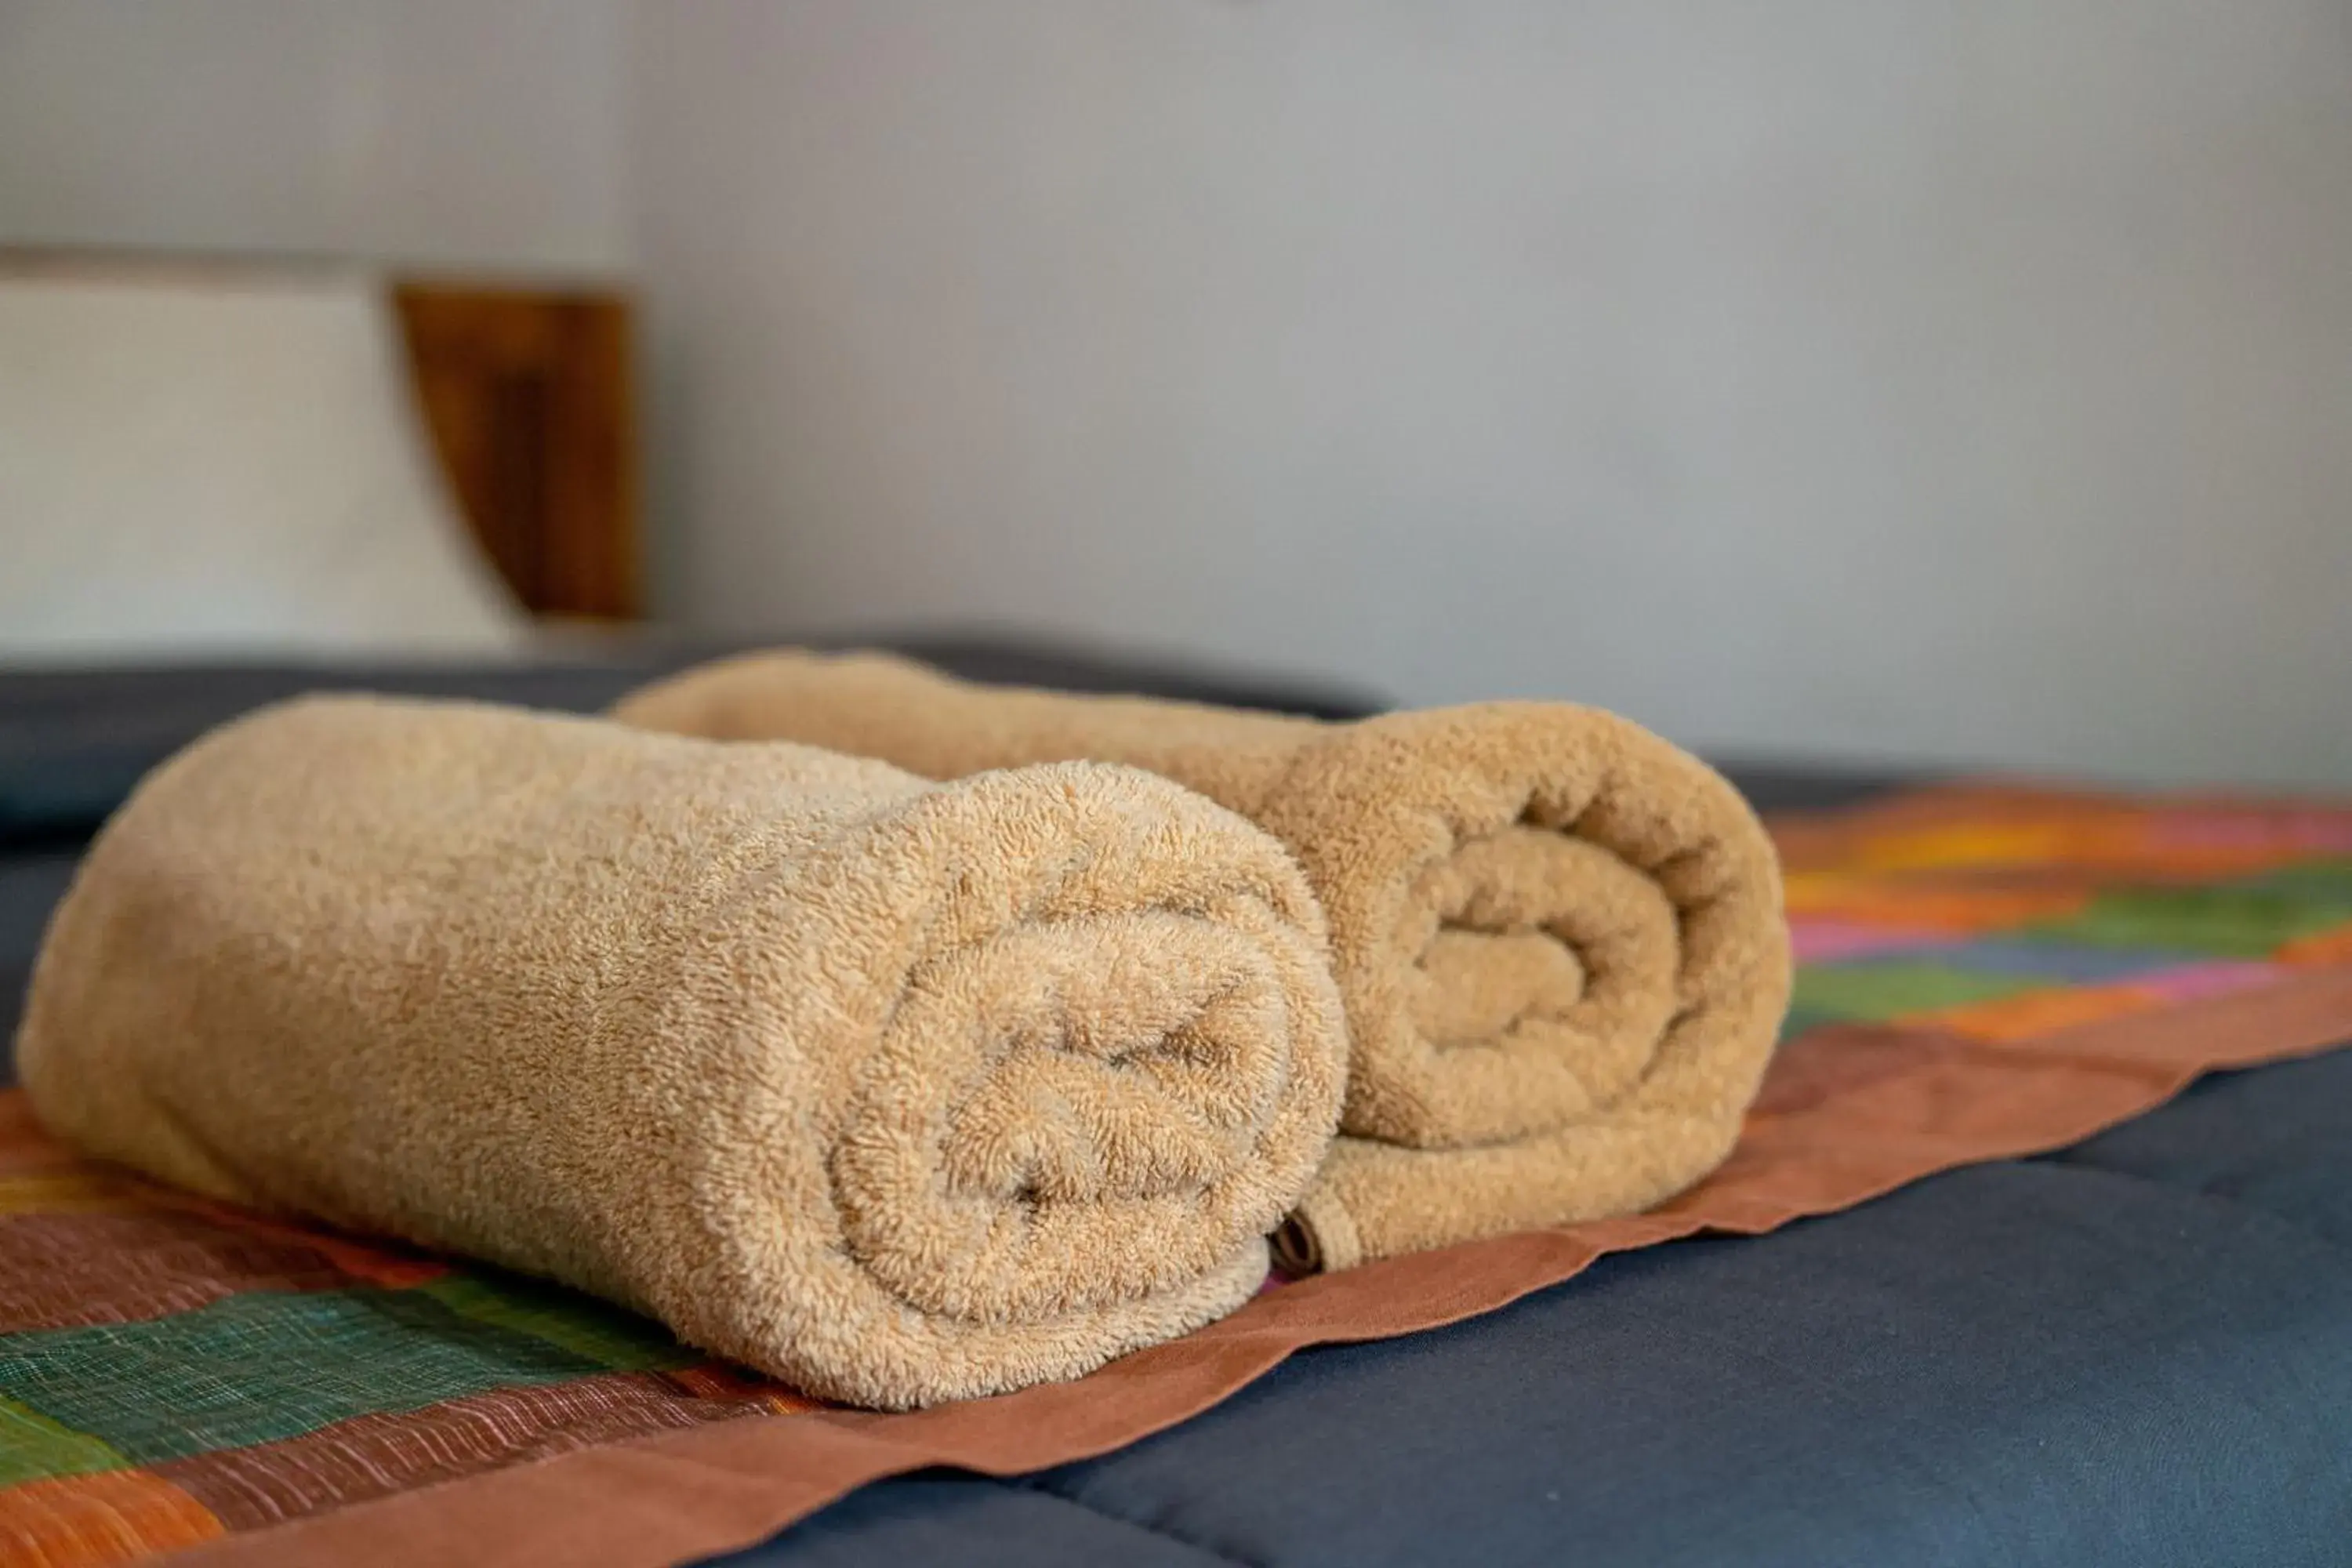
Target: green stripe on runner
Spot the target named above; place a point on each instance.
(2224, 922)
(33, 1448)
(1802, 1019)
(1876, 990)
(616, 1341)
(268, 1365)
(2326, 883)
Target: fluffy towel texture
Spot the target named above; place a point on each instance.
(1559, 938)
(902, 1092)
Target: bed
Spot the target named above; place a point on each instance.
(2138, 1353)
(2135, 1351)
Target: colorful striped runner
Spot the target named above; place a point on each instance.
(1985, 972)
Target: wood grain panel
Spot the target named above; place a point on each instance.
(526, 393)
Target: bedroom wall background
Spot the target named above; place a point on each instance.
(1948, 383)
(1962, 383)
(447, 132)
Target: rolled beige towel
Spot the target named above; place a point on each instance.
(900, 1091)
(1559, 938)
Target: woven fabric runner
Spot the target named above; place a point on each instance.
(1986, 972)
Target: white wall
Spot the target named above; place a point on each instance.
(1934, 380)
(464, 133)
(1960, 381)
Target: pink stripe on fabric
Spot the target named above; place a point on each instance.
(2216, 979)
(1827, 941)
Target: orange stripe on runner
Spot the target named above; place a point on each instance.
(2332, 945)
(2031, 1013)
(86, 1522)
(71, 1191)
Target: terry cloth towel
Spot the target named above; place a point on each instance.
(900, 1092)
(1559, 938)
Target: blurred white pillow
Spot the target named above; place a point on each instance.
(196, 464)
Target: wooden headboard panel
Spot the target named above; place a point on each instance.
(527, 394)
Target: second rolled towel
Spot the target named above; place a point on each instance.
(901, 1091)
(1560, 938)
